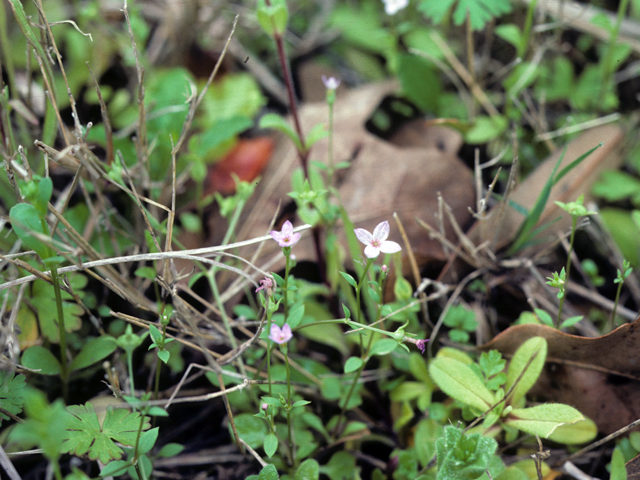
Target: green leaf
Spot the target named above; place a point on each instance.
(328, 334)
(148, 440)
(529, 358)
(479, 12)
(164, 355)
(318, 132)
(571, 321)
(418, 367)
(543, 419)
(170, 450)
(618, 468)
(510, 33)
(11, 394)
(251, 429)
(408, 391)
(272, 120)
(350, 280)
(300, 403)
(462, 455)
(615, 185)
(146, 272)
(352, 364)
(544, 317)
(420, 83)
(44, 301)
(270, 444)
(384, 346)
(485, 129)
(308, 470)
(269, 472)
(85, 435)
(93, 351)
(342, 466)
(43, 424)
(26, 220)
(460, 382)
(581, 432)
(39, 358)
(115, 468)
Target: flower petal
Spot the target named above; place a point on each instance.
(287, 229)
(363, 235)
(371, 252)
(286, 333)
(381, 232)
(390, 247)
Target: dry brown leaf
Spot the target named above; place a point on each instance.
(633, 468)
(384, 178)
(500, 230)
(599, 376)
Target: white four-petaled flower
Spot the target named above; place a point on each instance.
(285, 237)
(280, 335)
(330, 83)
(377, 242)
(391, 7)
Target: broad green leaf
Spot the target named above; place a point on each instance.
(418, 368)
(525, 368)
(462, 455)
(350, 280)
(26, 220)
(543, 419)
(384, 346)
(269, 472)
(581, 432)
(170, 450)
(39, 358)
(115, 468)
(43, 300)
(352, 364)
(251, 429)
(342, 466)
(93, 351)
(308, 470)
(427, 431)
(485, 129)
(275, 121)
(148, 440)
(408, 391)
(85, 435)
(615, 185)
(461, 383)
(419, 82)
(328, 334)
(618, 468)
(270, 445)
(11, 394)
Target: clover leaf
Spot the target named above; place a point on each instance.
(11, 394)
(85, 434)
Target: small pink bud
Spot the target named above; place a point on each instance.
(384, 269)
(264, 406)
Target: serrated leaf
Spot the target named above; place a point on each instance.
(270, 444)
(543, 419)
(85, 434)
(308, 470)
(460, 382)
(479, 11)
(11, 394)
(525, 368)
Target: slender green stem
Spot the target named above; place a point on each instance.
(292, 448)
(130, 367)
(64, 368)
(285, 287)
(526, 31)
(574, 219)
(331, 162)
(615, 306)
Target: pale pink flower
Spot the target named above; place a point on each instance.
(266, 284)
(391, 7)
(280, 335)
(421, 344)
(377, 242)
(285, 237)
(331, 83)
